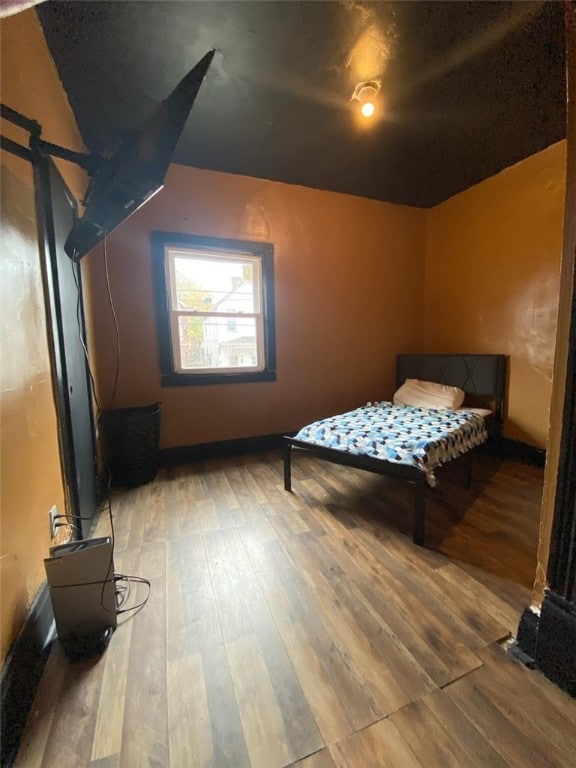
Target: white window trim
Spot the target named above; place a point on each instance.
(227, 248)
(172, 252)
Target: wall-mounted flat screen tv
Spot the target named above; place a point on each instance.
(134, 171)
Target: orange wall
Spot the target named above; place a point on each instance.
(30, 474)
(349, 277)
(492, 280)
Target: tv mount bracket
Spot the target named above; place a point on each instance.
(38, 146)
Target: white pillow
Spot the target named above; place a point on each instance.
(428, 394)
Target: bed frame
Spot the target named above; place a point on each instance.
(483, 379)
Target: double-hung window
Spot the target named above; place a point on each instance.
(214, 308)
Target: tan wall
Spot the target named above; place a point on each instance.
(492, 280)
(30, 474)
(349, 296)
(30, 85)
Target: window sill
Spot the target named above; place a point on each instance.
(195, 379)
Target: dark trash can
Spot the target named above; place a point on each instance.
(130, 438)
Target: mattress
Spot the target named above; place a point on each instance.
(420, 437)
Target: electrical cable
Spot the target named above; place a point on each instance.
(81, 584)
(68, 518)
(67, 524)
(116, 329)
(112, 545)
(115, 578)
(122, 594)
(136, 580)
(81, 337)
(108, 500)
(124, 591)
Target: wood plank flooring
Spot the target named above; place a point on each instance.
(307, 630)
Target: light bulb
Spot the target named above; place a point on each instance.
(368, 109)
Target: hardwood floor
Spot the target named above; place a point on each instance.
(307, 630)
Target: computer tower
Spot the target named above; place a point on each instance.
(80, 578)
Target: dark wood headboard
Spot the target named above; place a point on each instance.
(479, 375)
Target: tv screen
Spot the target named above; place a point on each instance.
(134, 171)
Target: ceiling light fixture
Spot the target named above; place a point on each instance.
(366, 93)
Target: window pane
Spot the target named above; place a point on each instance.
(213, 285)
(210, 343)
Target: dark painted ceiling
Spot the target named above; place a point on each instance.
(468, 88)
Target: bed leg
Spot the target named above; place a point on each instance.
(468, 476)
(287, 467)
(419, 512)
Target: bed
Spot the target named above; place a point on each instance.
(351, 439)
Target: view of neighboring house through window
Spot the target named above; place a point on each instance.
(216, 308)
(219, 306)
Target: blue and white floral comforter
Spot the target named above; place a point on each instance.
(402, 434)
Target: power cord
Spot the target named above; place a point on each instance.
(122, 593)
(134, 580)
(113, 310)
